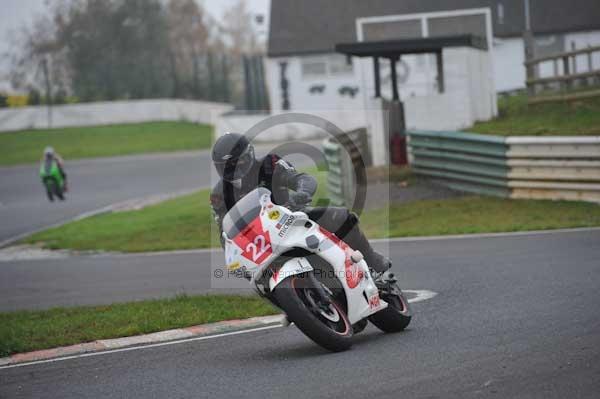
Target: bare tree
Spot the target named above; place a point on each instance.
(119, 49)
(98, 49)
(188, 39)
(35, 50)
(238, 27)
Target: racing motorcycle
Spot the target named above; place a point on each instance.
(321, 284)
(52, 180)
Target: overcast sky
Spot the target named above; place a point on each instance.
(17, 13)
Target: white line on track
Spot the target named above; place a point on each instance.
(421, 295)
(133, 348)
(485, 235)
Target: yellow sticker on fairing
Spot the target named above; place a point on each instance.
(233, 266)
(274, 215)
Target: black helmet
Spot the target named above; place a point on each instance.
(233, 156)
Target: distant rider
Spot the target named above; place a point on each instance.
(241, 172)
(51, 156)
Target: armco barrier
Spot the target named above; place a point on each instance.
(517, 167)
(333, 157)
(341, 177)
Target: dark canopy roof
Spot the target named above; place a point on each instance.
(394, 48)
(315, 26)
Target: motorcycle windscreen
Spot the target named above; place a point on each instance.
(243, 212)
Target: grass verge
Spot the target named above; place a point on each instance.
(181, 223)
(185, 223)
(476, 214)
(25, 331)
(563, 119)
(27, 146)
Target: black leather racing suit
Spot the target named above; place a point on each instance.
(279, 176)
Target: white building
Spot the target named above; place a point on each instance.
(305, 73)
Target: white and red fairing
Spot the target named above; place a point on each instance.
(277, 230)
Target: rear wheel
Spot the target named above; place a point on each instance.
(396, 317)
(310, 306)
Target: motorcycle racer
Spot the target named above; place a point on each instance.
(240, 172)
(51, 156)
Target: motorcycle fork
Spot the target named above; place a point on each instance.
(388, 286)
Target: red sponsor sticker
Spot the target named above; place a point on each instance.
(254, 242)
(374, 301)
(352, 272)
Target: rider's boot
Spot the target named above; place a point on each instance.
(378, 262)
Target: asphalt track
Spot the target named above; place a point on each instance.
(101, 182)
(514, 317)
(95, 183)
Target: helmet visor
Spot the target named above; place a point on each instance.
(236, 168)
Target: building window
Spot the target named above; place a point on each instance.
(321, 67)
(314, 67)
(340, 65)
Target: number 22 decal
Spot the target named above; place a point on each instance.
(258, 248)
(254, 242)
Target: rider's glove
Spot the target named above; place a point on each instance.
(300, 199)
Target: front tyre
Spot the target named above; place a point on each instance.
(318, 317)
(49, 194)
(396, 317)
(49, 186)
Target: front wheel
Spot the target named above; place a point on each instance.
(314, 312)
(49, 186)
(396, 316)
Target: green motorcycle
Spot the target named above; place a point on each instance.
(53, 180)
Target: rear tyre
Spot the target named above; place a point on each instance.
(396, 317)
(321, 319)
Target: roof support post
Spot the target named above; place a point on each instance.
(440, 71)
(395, 96)
(377, 78)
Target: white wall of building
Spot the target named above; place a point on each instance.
(509, 55)
(468, 96)
(469, 92)
(508, 74)
(582, 40)
(300, 85)
(509, 71)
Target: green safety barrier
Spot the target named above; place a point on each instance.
(516, 167)
(465, 161)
